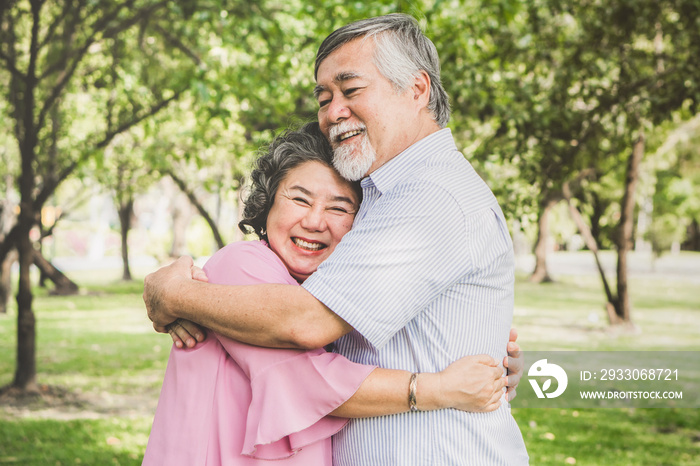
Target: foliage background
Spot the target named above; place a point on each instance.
(128, 128)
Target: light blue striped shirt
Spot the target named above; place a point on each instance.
(424, 277)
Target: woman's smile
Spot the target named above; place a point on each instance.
(308, 245)
(313, 208)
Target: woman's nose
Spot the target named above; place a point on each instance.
(315, 219)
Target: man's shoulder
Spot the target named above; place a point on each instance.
(450, 173)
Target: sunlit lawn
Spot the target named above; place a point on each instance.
(101, 346)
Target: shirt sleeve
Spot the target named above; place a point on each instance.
(293, 391)
(414, 243)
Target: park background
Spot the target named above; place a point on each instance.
(128, 129)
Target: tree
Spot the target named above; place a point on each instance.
(77, 74)
(676, 197)
(124, 171)
(567, 92)
(8, 204)
(53, 58)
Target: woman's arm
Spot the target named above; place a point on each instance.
(473, 383)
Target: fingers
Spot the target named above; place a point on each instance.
(497, 373)
(180, 334)
(159, 328)
(198, 274)
(513, 335)
(184, 261)
(193, 329)
(176, 339)
(513, 349)
(494, 402)
(485, 359)
(513, 379)
(514, 363)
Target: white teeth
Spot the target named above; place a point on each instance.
(349, 134)
(306, 245)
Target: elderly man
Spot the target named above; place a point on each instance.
(424, 277)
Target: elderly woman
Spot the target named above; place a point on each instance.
(224, 402)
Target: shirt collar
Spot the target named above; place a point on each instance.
(411, 159)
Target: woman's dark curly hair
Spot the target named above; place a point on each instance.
(285, 153)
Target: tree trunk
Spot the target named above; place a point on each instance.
(8, 254)
(63, 285)
(692, 242)
(42, 273)
(25, 374)
(126, 211)
(6, 280)
(27, 134)
(181, 211)
(200, 208)
(22, 93)
(599, 208)
(541, 274)
(624, 241)
(593, 247)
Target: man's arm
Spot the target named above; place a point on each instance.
(275, 316)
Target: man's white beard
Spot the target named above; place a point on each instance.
(353, 161)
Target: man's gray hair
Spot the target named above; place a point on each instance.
(401, 52)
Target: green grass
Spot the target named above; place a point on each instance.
(569, 314)
(114, 441)
(611, 436)
(100, 347)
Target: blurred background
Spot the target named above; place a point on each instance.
(128, 128)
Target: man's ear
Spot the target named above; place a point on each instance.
(421, 88)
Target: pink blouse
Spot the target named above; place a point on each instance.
(227, 403)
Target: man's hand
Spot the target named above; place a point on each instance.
(156, 288)
(184, 332)
(514, 362)
(473, 383)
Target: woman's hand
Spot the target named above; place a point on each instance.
(473, 383)
(185, 333)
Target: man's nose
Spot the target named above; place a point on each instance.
(338, 110)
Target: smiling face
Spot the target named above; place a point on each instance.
(312, 210)
(365, 119)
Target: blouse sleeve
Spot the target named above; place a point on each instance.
(293, 391)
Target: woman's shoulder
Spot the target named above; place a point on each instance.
(246, 262)
(256, 248)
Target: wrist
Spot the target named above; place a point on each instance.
(429, 392)
(174, 298)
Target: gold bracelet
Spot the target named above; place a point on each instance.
(412, 393)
